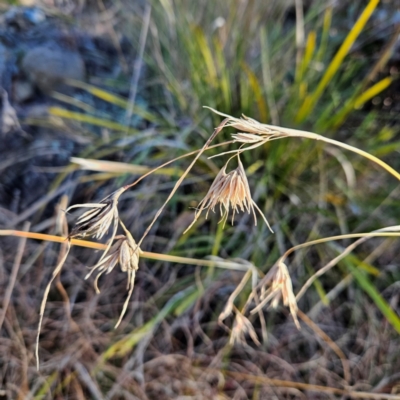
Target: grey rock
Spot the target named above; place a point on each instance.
(48, 68)
(9, 120)
(3, 56)
(3, 61)
(24, 17)
(34, 15)
(22, 91)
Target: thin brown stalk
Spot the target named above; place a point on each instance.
(300, 34)
(390, 231)
(137, 66)
(178, 183)
(62, 227)
(330, 343)
(230, 303)
(173, 160)
(264, 380)
(14, 273)
(56, 271)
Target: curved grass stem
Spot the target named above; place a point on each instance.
(391, 231)
(272, 131)
(314, 136)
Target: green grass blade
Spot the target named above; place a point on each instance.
(223, 72)
(325, 33)
(319, 288)
(207, 55)
(101, 94)
(129, 341)
(187, 302)
(337, 61)
(266, 73)
(357, 100)
(372, 92)
(46, 387)
(113, 99)
(380, 302)
(308, 53)
(256, 86)
(89, 119)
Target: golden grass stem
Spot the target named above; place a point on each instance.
(338, 237)
(275, 131)
(145, 254)
(314, 136)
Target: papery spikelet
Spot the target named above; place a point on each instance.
(243, 137)
(229, 191)
(241, 327)
(277, 285)
(97, 221)
(250, 125)
(124, 251)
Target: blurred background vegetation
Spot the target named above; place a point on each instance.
(150, 67)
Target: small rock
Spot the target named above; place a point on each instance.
(34, 15)
(9, 119)
(48, 68)
(24, 17)
(3, 60)
(22, 91)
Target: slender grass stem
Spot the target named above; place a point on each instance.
(314, 136)
(173, 160)
(391, 231)
(274, 131)
(144, 254)
(338, 237)
(388, 231)
(180, 180)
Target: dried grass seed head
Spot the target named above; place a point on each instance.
(241, 327)
(129, 257)
(249, 125)
(247, 138)
(124, 251)
(229, 191)
(277, 285)
(97, 221)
